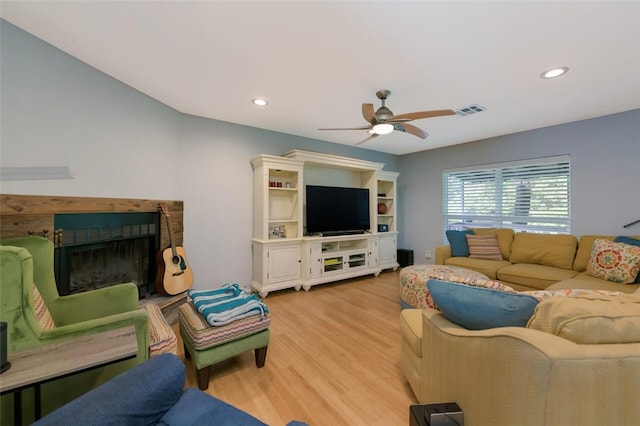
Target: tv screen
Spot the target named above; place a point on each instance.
(337, 209)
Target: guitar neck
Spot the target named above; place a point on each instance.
(171, 243)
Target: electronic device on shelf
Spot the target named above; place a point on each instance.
(333, 210)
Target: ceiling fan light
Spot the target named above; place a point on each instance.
(555, 72)
(382, 129)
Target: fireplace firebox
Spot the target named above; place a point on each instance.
(96, 250)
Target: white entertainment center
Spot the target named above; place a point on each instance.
(283, 255)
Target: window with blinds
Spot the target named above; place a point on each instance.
(531, 196)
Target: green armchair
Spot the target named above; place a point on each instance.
(40, 316)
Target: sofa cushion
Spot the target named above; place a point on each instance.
(633, 242)
(534, 276)
(590, 319)
(617, 262)
(484, 266)
(584, 281)
(544, 249)
(411, 329)
(483, 247)
(458, 242)
(504, 236)
(478, 308)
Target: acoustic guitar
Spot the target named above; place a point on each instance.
(174, 274)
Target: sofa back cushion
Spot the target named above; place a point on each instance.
(590, 319)
(504, 236)
(544, 249)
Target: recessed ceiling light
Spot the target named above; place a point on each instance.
(259, 102)
(555, 72)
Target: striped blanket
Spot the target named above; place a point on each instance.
(226, 304)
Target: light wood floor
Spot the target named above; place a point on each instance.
(333, 358)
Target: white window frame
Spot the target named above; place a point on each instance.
(543, 205)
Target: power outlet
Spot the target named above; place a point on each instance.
(427, 254)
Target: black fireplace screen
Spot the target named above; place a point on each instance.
(95, 250)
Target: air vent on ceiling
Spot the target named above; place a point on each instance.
(469, 110)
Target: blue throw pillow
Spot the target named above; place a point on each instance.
(458, 242)
(630, 241)
(479, 308)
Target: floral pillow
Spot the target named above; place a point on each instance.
(611, 261)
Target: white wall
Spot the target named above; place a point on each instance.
(605, 176)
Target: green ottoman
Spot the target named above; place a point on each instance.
(207, 345)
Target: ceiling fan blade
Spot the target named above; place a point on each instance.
(347, 128)
(368, 112)
(410, 128)
(367, 139)
(422, 114)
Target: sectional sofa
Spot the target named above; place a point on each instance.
(536, 261)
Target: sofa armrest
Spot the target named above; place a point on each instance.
(141, 396)
(94, 304)
(442, 254)
(514, 375)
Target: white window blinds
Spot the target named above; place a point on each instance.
(531, 196)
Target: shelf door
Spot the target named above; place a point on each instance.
(284, 263)
(387, 251)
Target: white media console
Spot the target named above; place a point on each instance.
(283, 256)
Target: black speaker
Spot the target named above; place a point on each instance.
(405, 257)
(4, 364)
(383, 228)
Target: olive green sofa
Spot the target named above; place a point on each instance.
(537, 261)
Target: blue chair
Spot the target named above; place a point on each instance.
(149, 394)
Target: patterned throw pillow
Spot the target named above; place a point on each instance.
(42, 312)
(630, 241)
(484, 247)
(617, 262)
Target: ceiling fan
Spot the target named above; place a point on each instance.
(383, 122)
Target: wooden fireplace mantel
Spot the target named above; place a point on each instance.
(22, 215)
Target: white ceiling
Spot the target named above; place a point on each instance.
(317, 62)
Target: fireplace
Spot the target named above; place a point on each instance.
(96, 250)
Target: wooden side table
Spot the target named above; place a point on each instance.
(35, 366)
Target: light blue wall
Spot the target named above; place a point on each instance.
(58, 111)
(605, 176)
(120, 143)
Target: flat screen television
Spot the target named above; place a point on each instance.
(337, 210)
